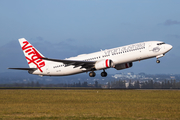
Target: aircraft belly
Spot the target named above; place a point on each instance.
(70, 70)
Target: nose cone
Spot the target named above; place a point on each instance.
(168, 47)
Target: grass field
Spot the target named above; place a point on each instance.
(90, 104)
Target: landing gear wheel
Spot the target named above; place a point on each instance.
(92, 74)
(157, 61)
(104, 74)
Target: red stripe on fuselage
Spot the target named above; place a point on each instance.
(107, 63)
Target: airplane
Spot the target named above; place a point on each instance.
(118, 58)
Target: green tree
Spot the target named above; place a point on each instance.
(136, 85)
(96, 84)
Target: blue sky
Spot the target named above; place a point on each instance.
(65, 28)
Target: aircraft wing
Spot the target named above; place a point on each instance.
(76, 63)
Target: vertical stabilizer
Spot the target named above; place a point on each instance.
(32, 55)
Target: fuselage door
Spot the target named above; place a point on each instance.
(150, 46)
(47, 69)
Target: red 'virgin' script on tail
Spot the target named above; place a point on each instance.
(33, 55)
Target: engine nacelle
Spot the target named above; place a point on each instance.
(123, 66)
(102, 64)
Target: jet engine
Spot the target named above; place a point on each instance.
(103, 64)
(123, 66)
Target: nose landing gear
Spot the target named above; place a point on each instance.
(159, 56)
(157, 61)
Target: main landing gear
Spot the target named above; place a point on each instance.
(104, 74)
(93, 74)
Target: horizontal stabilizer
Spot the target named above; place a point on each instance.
(24, 68)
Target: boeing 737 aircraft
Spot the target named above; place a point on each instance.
(118, 58)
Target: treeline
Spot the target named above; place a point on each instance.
(160, 85)
(150, 84)
(37, 84)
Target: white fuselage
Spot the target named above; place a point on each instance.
(119, 55)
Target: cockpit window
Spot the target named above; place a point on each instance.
(161, 43)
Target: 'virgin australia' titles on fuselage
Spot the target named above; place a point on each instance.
(126, 48)
(118, 58)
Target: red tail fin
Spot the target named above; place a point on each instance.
(32, 55)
